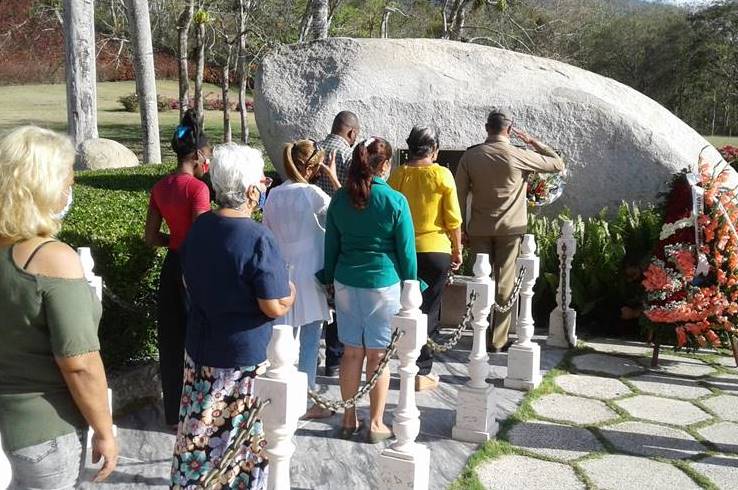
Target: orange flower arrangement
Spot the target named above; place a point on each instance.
(697, 303)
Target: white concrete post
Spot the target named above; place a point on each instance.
(475, 402)
(405, 463)
(524, 357)
(563, 316)
(95, 282)
(286, 388)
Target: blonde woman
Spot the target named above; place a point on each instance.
(295, 212)
(53, 383)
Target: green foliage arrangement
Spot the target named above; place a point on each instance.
(108, 216)
(606, 270)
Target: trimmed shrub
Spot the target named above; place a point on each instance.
(163, 103)
(108, 216)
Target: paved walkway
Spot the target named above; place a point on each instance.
(611, 422)
(322, 460)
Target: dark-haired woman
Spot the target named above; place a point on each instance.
(369, 250)
(431, 193)
(177, 199)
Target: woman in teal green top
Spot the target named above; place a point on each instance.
(369, 250)
(53, 383)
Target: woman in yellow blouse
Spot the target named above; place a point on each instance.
(431, 192)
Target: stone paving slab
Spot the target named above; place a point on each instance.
(679, 366)
(724, 382)
(567, 408)
(592, 386)
(620, 472)
(723, 434)
(618, 346)
(523, 473)
(556, 441)
(670, 386)
(606, 364)
(663, 410)
(721, 469)
(728, 362)
(646, 439)
(723, 406)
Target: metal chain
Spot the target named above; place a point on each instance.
(336, 405)
(562, 286)
(121, 303)
(434, 346)
(216, 473)
(514, 296)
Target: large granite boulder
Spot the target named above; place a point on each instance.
(619, 144)
(101, 153)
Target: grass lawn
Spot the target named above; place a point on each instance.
(719, 141)
(45, 105)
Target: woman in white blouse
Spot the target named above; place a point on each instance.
(295, 212)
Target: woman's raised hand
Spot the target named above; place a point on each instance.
(330, 169)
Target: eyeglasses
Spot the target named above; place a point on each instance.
(316, 149)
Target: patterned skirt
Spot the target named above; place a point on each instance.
(214, 410)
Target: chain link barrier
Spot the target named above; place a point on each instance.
(145, 309)
(514, 296)
(435, 346)
(336, 405)
(214, 477)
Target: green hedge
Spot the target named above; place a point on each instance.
(108, 216)
(110, 211)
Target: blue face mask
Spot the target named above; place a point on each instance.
(262, 199)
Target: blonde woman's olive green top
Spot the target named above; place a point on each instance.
(40, 318)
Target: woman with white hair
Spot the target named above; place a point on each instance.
(236, 283)
(53, 383)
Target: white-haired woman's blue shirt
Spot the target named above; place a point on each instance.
(295, 213)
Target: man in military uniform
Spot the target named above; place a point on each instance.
(494, 175)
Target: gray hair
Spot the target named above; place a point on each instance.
(422, 141)
(233, 170)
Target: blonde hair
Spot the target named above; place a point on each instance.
(302, 153)
(35, 165)
(233, 170)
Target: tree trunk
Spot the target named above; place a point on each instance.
(183, 28)
(244, 5)
(305, 22)
(319, 21)
(143, 55)
(457, 18)
(383, 27)
(81, 73)
(226, 73)
(200, 70)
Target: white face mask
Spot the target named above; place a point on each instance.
(63, 213)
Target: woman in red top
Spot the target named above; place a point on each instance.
(177, 199)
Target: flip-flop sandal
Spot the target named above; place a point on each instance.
(377, 437)
(323, 415)
(349, 432)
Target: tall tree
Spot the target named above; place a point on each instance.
(81, 73)
(201, 18)
(315, 21)
(243, 8)
(143, 56)
(183, 31)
